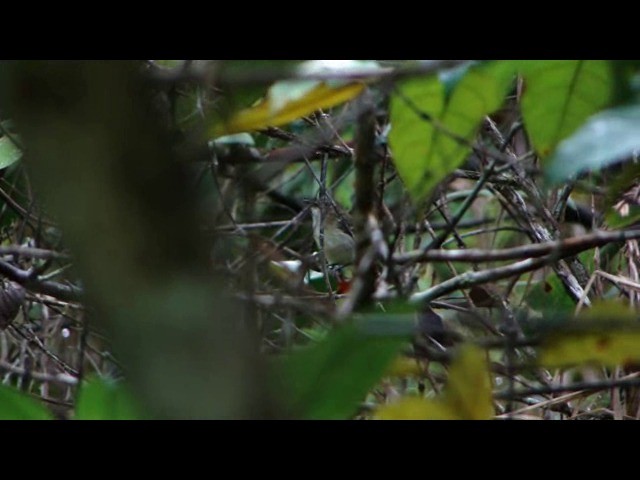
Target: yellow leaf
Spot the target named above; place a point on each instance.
(612, 310)
(468, 391)
(405, 367)
(606, 335)
(415, 408)
(604, 348)
(265, 115)
(467, 396)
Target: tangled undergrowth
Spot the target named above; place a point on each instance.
(490, 279)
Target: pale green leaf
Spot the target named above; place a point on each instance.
(605, 138)
(235, 139)
(9, 153)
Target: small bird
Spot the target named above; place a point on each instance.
(339, 246)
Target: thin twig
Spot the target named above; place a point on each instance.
(579, 387)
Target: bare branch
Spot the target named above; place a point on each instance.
(569, 246)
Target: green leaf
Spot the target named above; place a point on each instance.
(411, 137)
(328, 380)
(9, 153)
(430, 137)
(451, 77)
(550, 298)
(606, 137)
(101, 399)
(15, 405)
(560, 95)
(615, 220)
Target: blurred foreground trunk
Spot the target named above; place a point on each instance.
(104, 167)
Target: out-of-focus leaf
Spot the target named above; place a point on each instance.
(605, 138)
(328, 380)
(106, 400)
(605, 334)
(467, 396)
(468, 391)
(616, 220)
(451, 77)
(426, 150)
(9, 153)
(560, 95)
(608, 310)
(15, 405)
(235, 139)
(415, 408)
(404, 367)
(170, 63)
(292, 99)
(604, 348)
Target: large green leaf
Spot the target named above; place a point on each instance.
(9, 153)
(605, 138)
(328, 380)
(560, 95)
(430, 136)
(411, 137)
(15, 405)
(101, 399)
